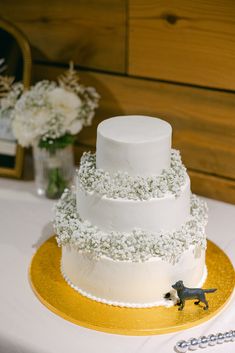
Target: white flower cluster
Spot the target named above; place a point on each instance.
(48, 111)
(89, 98)
(8, 102)
(122, 185)
(136, 246)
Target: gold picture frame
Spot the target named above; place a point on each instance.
(24, 46)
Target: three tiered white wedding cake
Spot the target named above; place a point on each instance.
(131, 228)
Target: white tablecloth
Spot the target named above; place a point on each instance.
(27, 326)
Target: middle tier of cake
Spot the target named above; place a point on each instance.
(120, 202)
(123, 215)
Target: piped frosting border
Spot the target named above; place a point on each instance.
(138, 245)
(163, 302)
(122, 185)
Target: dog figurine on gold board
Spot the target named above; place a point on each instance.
(185, 293)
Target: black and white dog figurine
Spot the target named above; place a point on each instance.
(185, 293)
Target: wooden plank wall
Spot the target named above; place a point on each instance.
(92, 33)
(172, 59)
(185, 41)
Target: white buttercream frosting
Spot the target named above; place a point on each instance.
(123, 215)
(138, 145)
(129, 284)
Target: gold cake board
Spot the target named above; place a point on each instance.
(52, 290)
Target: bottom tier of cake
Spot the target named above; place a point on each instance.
(131, 284)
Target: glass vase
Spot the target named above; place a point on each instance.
(54, 171)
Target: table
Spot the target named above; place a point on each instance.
(27, 326)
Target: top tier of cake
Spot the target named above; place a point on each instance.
(135, 144)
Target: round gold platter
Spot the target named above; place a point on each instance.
(52, 290)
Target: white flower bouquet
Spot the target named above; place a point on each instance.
(49, 115)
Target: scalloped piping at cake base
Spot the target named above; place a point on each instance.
(163, 302)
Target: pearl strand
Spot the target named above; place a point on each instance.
(204, 341)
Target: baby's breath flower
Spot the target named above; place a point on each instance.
(122, 185)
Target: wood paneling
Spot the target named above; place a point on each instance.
(213, 187)
(203, 122)
(184, 41)
(91, 33)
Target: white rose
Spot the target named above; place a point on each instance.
(75, 127)
(21, 133)
(29, 125)
(65, 103)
